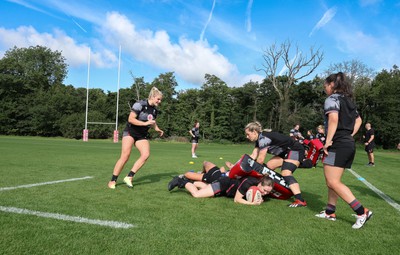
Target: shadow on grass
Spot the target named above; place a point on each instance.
(151, 178)
(365, 190)
(314, 201)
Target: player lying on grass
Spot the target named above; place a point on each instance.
(286, 152)
(225, 186)
(209, 174)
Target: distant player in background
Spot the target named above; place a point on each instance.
(321, 133)
(287, 153)
(142, 117)
(310, 135)
(295, 133)
(369, 142)
(195, 135)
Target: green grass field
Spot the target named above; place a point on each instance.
(174, 222)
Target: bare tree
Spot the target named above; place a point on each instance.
(137, 83)
(295, 68)
(355, 70)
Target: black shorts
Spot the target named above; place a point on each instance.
(212, 175)
(225, 186)
(295, 153)
(369, 148)
(195, 139)
(136, 136)
(341, 155)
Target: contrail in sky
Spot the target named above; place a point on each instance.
(328, 15)
(79, 26)
(208, 21)
(248, 15)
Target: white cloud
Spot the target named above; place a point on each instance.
(250, 77)
(383, 50)
(189, 59)
(76, 54)
(328, 15)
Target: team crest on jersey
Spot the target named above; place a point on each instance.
(150, 117)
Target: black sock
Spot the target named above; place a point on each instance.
(182, 182)
(357, 207)
(114, 178)
(299, 197)
(330, 209)
(131, 174)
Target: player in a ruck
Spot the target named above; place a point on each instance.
(225, 186)
(282, 147)
(142, 117)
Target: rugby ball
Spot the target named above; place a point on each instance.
(253, 194)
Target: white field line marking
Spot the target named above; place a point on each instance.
(377, 191)
(44, 183)
(113, 224)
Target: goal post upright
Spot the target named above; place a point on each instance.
(86, 131)
(116, 135)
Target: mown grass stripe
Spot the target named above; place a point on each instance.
(44, 183)
(113, 224)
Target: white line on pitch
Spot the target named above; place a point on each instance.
(44, 183)
(113, 224)
(377, 191)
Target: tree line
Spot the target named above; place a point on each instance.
(35, 102)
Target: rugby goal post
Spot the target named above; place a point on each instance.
(85, 135)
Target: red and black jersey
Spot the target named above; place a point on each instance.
(230, 186)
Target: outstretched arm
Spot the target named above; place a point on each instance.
(239, 199)
(156, 128)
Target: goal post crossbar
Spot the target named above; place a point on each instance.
(102, 123)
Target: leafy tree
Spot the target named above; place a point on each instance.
(166, 83)
(384, 107)
(186, 112)
(215, 108)
(26, 74)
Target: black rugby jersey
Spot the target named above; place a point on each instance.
(144, 112)
(196, 132)
(241, 185)
(347, 111)
(368, 135)
(275, 142)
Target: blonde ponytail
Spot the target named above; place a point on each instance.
(254, 126)
(154, 92)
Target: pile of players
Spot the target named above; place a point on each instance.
(342, 123)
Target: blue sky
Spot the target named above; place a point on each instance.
(191, 38)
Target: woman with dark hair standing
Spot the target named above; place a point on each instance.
(195, 133)
(342, 122)
(142, 116)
